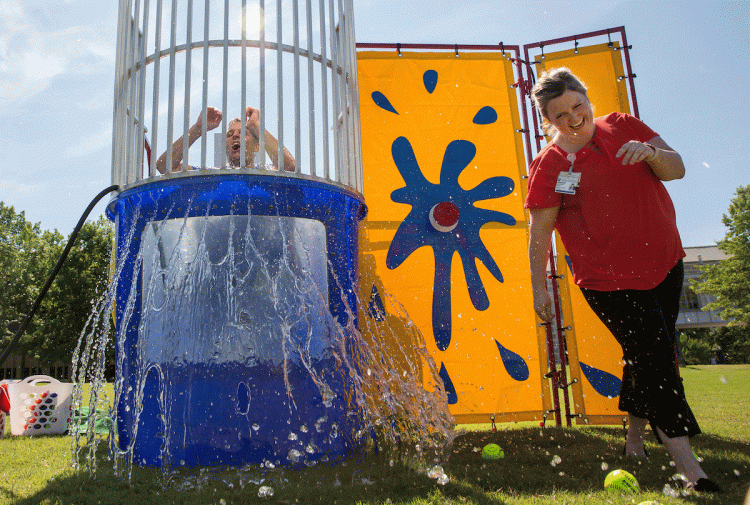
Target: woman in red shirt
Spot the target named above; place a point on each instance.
(599, 183)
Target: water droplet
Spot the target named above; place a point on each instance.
(669, 491)
(723, 379)
(292, 436)
(293, 455)
(265, 491)
(303, 428)
(605, 466)
(443, 480)
(435, 472)
(256, 426)
(556, 460)
(737, 472)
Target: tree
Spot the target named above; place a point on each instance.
(698, 344)
(28, 255)
(728, 280)
(82, 279)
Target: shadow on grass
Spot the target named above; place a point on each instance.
(368, 480)
(585, 455)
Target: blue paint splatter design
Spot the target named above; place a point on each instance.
(383, 102)
(448, 385)
(416, 231)
(375, 307)
(430, 79)
(514, 364)
(570, 263)
(603, 382)
(486, 115)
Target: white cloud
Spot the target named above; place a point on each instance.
(30, 56)
(12, 189)
(92, 142)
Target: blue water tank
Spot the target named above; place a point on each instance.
(236, 307)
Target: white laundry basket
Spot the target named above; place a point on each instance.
(39, 405)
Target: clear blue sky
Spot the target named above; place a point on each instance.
(691, 59)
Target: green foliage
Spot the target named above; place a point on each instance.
(733, 341)
(28, 255)
(728, 280)
(694, 350)
(80, 282)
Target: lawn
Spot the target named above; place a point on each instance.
(38, 470)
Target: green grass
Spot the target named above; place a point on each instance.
(721, 396)
(37, 470)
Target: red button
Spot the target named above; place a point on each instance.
(444, 216)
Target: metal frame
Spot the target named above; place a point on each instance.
(137, 32)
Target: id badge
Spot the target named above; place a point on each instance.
(567, 182)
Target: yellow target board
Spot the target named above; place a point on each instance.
(446, 233)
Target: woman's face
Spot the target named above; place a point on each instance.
(571, 114)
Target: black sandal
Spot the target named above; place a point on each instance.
(705, 485)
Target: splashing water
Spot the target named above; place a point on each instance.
(229, 343)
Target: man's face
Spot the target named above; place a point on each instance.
(233, 144)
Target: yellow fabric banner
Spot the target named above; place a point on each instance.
(594, 354)
(446, 234)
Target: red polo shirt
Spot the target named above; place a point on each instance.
(619, 228)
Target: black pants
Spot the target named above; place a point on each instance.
(643, 323)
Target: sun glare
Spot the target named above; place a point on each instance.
(254, 19)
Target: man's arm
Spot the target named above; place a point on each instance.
(272, 144)
(194, 133)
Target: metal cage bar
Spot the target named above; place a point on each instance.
(312, 36)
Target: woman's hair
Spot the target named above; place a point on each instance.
(553, 84)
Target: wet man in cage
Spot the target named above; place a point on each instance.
(233, 142)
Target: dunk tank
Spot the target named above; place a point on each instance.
(236, 286)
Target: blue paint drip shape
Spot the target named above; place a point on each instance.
(382, 102)
(448, 385)
(570, 263)
(514, 364)
(603, 382)
(486, 115)
(430, 79)
(415, 230)
(375, 308)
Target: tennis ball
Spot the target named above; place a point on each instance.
(492, 451)
(620, 481)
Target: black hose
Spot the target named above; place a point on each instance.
(52, 275)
